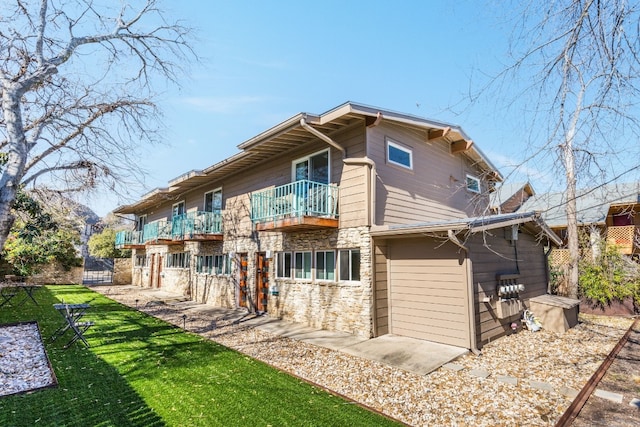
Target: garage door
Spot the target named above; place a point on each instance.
(428, 296)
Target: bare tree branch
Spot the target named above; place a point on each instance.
(59, 127)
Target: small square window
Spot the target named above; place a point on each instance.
(399, 155)
(473, 184)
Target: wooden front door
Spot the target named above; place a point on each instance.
(156, 270)
(242, 280)
(160, 265)
(152, 269)
(262, 281)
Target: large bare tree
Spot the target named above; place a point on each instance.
(77, 86)
(576, 78)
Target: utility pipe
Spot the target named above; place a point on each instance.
(371, 180)
(322, 136)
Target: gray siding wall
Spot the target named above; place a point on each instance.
(500, 258)
(236, 189)
(434, 190)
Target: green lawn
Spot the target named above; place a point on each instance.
(141, 371)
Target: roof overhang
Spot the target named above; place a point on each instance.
(290, 134)
(472, 225)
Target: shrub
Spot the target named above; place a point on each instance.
(610, 277)
(103, 245)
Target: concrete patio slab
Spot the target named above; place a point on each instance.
(329, 339)
(409, 354)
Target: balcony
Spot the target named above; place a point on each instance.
(300, 205)
(625, 237)
(158, 232)
(197, 226)
(129, 240)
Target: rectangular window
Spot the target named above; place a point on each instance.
(141, 261)
(204, 264)
(313, 168)
(177, 260)
(213, 201)
(399, 155)
(325, 265)
(212, 264)
(178, 209)
(473, 184)
(283, 265)
(349, 265)
(302, 265)
(141, 221)
(218, 264)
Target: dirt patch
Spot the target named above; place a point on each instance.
(623, 377)
(615, 308)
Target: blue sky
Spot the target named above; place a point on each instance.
(265, 61)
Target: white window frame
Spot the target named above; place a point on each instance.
(322, 274)
(281, 265)
(350, 267)
(307, 158)
(400, 147)
(213, 265)
(304, 271)
(204, 202)
(204, 264)
(141, 221)
(218, 264)
(178, 260)
(173, 208)
(142, 264)
(475, 180)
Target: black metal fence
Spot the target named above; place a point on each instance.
(97, 271)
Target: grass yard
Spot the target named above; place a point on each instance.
(141, 371)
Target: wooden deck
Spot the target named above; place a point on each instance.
(301, 223)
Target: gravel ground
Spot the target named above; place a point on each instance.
(23, 362)
(523, 379)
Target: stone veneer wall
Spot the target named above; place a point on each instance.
(122, 271)
(341, 306)
(54, 274)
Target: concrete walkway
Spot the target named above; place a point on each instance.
(409, 354)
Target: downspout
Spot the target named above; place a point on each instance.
(322, 136)
(371, 185)
(470, 295)
(371, 190)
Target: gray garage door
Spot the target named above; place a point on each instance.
(428, 291)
